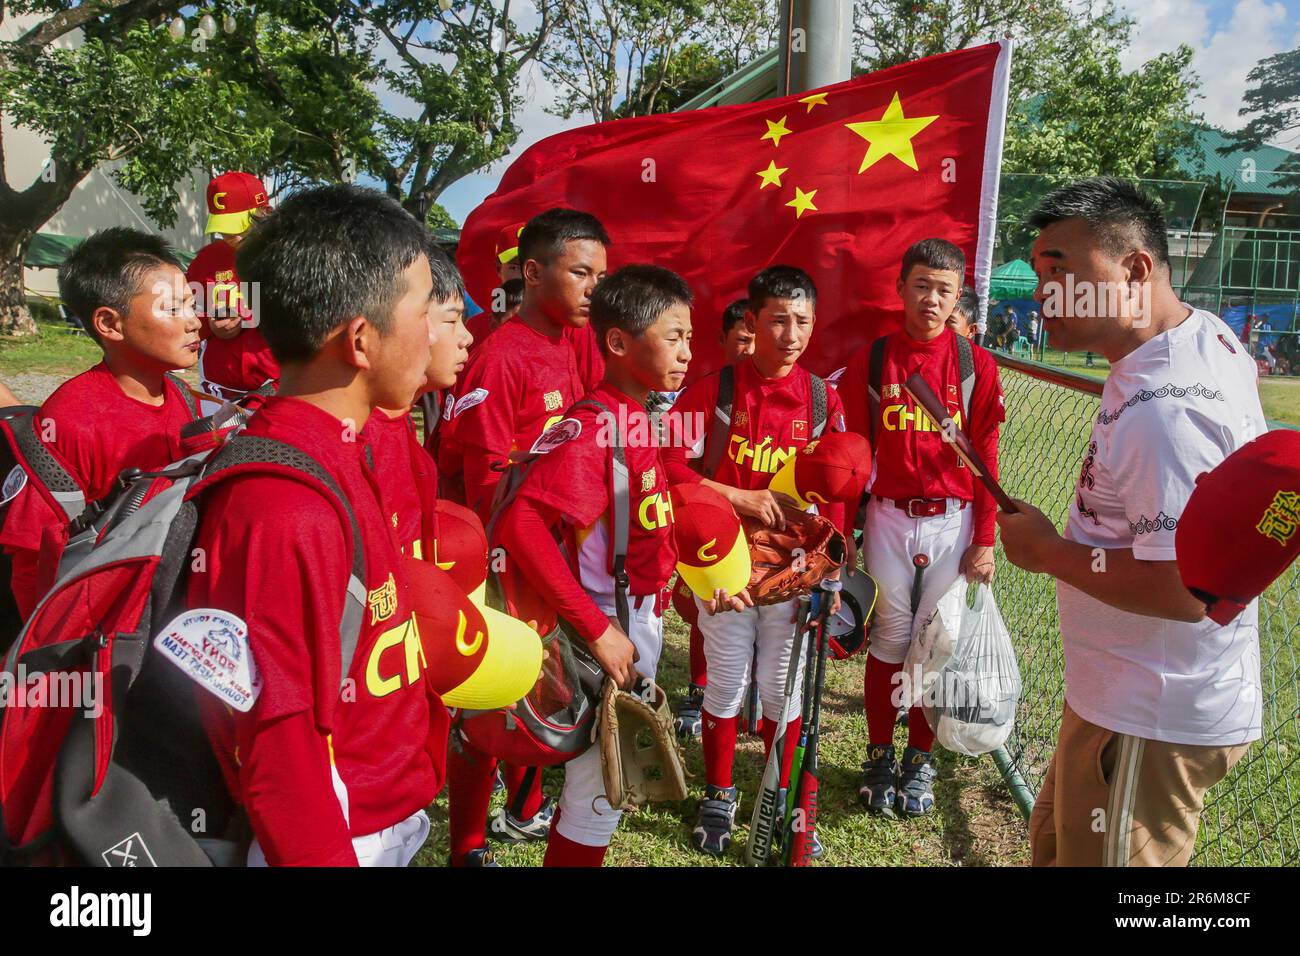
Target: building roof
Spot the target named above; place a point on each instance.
(1240, 166)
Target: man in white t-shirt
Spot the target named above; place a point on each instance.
(1160, 702)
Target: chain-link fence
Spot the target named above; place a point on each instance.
(1250, 818)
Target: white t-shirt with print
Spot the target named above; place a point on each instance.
(1171, 409)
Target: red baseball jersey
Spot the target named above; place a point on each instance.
(771, 419)
(286, 579)
(911, 458)
(507, 396)
(96, 430)
(244, 362)
(407, 476)
(571, 485)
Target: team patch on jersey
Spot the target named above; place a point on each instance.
(799, 430)
(211, 647)
(566, 429)
(15, 482)
(469, 400)
(742, 419)
(553, 400)
(648, 480)
(383, 600)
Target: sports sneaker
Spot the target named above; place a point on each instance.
(878, 792)
(915, 783)
(688, 722)
(712, 833)
(480, 857)
(506, 826)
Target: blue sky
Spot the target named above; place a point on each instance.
(1228, 37)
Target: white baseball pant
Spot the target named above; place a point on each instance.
(729, 640)
(586, 817)
(891, 539)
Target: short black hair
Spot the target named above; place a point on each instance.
(633, 298)
(968, 304)
(545, 234)
(512, 295)
(447, 282)
(322, 256)
(781, 282)
(933, 254)
(734, 314)
(1120, 214)
(106, 270)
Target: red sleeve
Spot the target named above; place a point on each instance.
(590, 361)
(987, 414)
(837, 512)
(485, 430)
(525, 528)
(691, 420)
(288, 793)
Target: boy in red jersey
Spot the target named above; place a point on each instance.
(641, 315)
(328, 777)
(507, 397)
(923, 502)
(774, 412)
(128, 291)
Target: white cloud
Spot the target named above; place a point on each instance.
(1225, 51)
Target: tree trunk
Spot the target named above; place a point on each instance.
(15, 318)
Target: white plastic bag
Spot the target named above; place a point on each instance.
(971, 706)
(927, 655)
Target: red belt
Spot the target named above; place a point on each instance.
(921, 507)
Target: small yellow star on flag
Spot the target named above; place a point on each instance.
(776, 130)
(891, 135)
(802, 201)
(772, 175)
(814, 99)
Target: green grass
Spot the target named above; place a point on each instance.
(55, 350)
(974, 823)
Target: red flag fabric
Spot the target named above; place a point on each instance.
(838, 181)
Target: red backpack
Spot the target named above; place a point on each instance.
(104, 760)
(556, 721)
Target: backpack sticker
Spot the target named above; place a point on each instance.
(211, 647)
(566, 429)
(15, 482)
(469, 400)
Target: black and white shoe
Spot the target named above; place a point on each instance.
(506, 826)
(712, 834)
(480, 857)
(915, 783)
(879, 788)
(688, 721)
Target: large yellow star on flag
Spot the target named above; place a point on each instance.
(775, 131)
(772, 175)
(802, 202)
(891, 135)
(814, 99)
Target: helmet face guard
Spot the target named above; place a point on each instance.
(848, 630)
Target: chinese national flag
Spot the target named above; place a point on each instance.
(839, 182)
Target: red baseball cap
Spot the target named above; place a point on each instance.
(835, 467)
(712, 551)
(232, 197)
(1238, 531)
(507, 249)
(474, 657)
(461, 548)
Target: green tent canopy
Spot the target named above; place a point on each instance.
(48, 251)
(1013, 280)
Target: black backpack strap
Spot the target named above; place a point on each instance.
(41, 464)
(875, 377)
(715, 446)
(244, 453)
(966, 369)
(819, 406)
(621, 494)
(186, 395)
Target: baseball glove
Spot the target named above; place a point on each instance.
(638, 749)
(792, 561)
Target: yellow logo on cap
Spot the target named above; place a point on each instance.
(464, 647)
(706, 557)
(1281, 517)
(219, 200)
